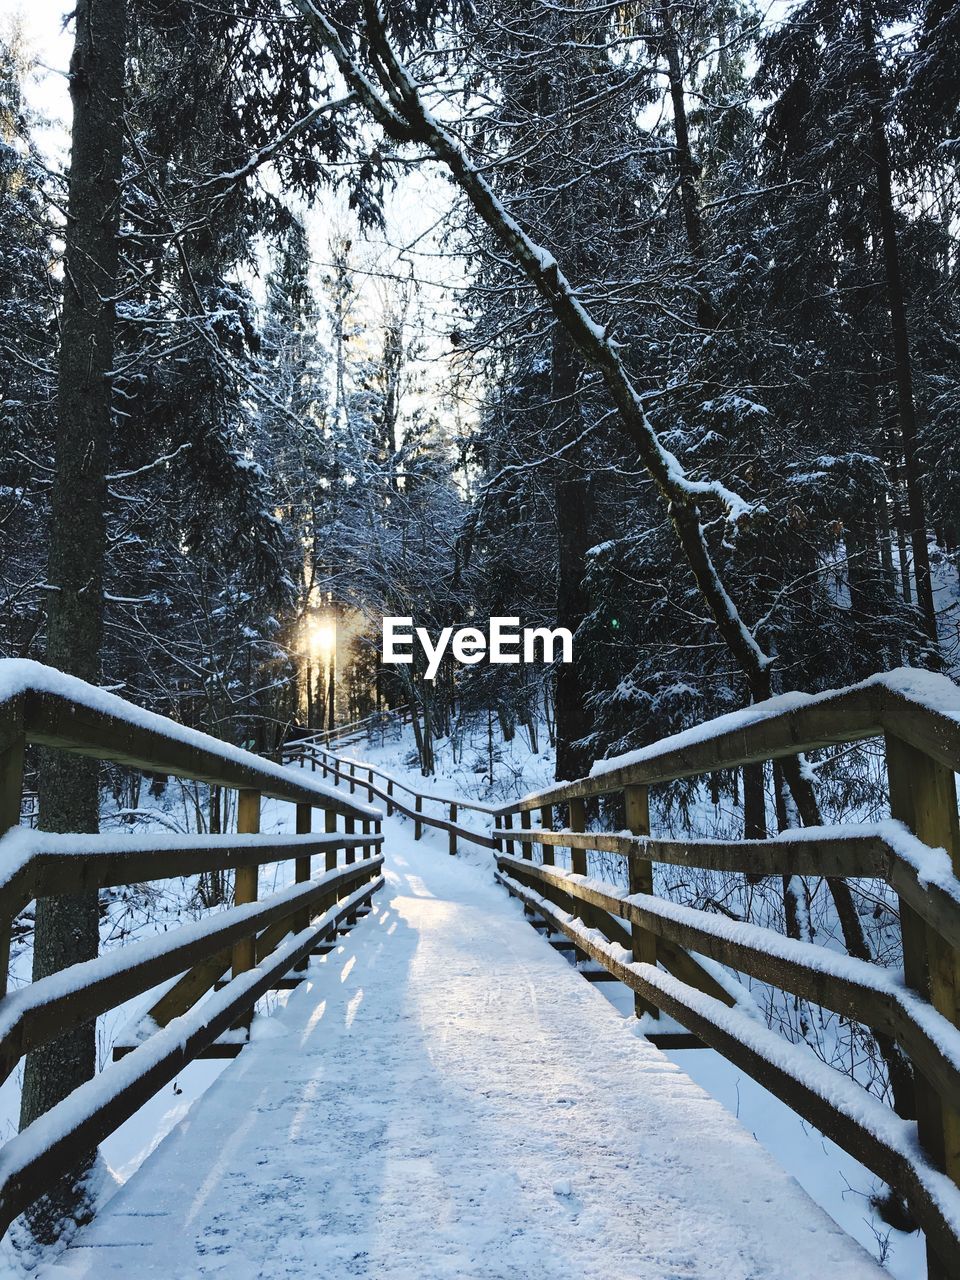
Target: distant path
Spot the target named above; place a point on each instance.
(447, 1098)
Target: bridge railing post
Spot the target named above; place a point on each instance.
(246, 878)
(577, 821)
(303, 869)
(452, 841)
(546, 822)
(526, 848)
(923, 797)
(389, 797)
(330, 827)
(350, 829)
(636, 803)
(352, 772)
(370, 785)
(508, 844)
(417, 824)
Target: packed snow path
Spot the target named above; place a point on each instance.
(446, 1097)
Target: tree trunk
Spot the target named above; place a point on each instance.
(572, 720)
(900, 526)
(67, 928)
(687, 170)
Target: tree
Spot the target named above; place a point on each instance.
(384, 85)
(67, 928)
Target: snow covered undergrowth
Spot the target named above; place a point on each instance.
(445, 1097)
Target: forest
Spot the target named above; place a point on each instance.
(635, 319)
(754, 221)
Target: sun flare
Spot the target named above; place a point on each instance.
(322, 639)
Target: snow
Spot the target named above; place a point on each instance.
(62, 1119)
(58, 986)
(932, 866)
(22, 675)
(930, 690)
(430, 1110)
(21, 844)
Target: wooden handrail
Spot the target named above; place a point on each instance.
(42, 706)
(835, 1105)
(354, 727)
(33, 1160)
(39, 864)
(47, 1008)
(920, 707)
(474, 805)
(854, 988)
(857, 851)
(344, 769)
(46, 707)
(917, 714)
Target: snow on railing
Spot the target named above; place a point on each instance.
(252, 938)
(916, 852)
(45, 706)
(920, 707)
(345, 769)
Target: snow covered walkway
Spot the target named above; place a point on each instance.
(446, 1097)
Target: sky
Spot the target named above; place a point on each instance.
(42, 22)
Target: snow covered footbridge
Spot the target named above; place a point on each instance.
(442, 1094)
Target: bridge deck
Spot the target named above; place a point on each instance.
(446, 1098)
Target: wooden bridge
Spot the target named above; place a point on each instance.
(443, 1095)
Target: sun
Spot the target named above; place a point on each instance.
(322, 639)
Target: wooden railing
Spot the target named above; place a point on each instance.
(255, 942)
(385, 786)
(353, 730)
(647, 942)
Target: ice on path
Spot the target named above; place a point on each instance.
(450, 1099)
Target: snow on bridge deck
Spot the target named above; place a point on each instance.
(445, 1098)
